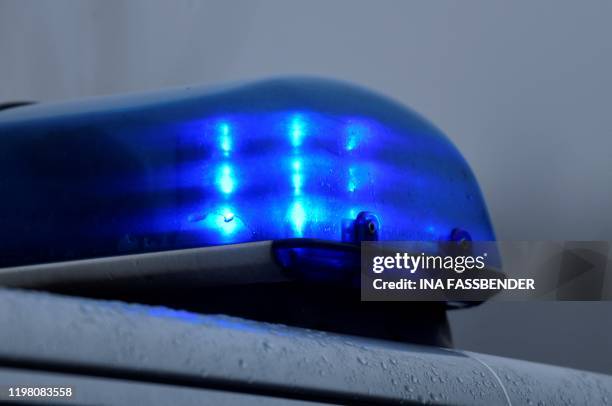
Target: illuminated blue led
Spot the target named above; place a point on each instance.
(297, 130)
(351, 143)
(355, 133)
(225, 140)
(226, 221)
(296, 178)
(297, 216)
(228, 216)
(352, 183)
(297, 184)
(226, 180)
(222, 222)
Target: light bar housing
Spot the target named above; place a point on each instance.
(196, 167)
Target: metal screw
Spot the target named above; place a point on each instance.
(371, 227)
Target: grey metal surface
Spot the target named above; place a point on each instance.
(530, 383)
(226, 264)
(154, 344)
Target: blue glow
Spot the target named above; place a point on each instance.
(307, 189)
(164, 312)
(351, 143)
(296, 178)
(297, 216)
(352, 183)
(355, 134)
(221, 223)
(297, 184)
(297, 130)
(226, 179)
(194, 318)
(225, 140)
(226, 221)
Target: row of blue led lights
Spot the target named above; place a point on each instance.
(311, 204)
(297, 214)
(298, 210)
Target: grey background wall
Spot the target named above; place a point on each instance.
(523, 88)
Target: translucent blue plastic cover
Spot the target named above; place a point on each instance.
(276, 159)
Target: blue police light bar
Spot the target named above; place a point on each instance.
(280, 159)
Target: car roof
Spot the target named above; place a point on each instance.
(137, 343)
